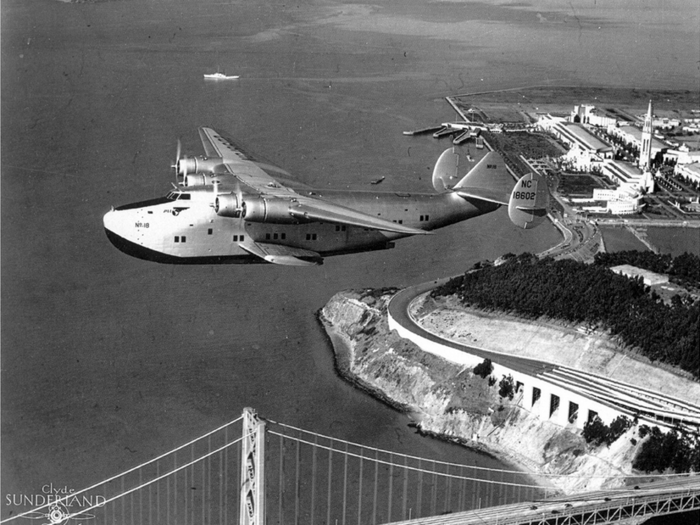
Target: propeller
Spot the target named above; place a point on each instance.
(239, 198)
(215, 189)
(239, 203)
(176, 165)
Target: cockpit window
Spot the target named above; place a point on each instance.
(176, 195)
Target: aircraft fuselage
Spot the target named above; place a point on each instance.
(184, 228)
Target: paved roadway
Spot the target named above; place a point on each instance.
(582, 238)
(625, 398)
(681, 494)
(398, 308)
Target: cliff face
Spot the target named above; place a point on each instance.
(452, 402)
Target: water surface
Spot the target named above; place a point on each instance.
(108, 360)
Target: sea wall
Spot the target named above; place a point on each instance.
(452, 402)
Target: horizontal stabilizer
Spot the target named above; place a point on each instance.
(281, 254)
(528, 202)
(319, 210)
(489, 180)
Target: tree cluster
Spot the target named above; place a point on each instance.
(484, 368)
(676, 450)
(587, 294)
(597, 433)
(506, 387)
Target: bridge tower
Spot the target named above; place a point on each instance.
(252, 510)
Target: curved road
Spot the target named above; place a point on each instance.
(398, 309)
(622, 397)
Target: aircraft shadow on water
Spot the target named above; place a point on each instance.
(229, 207)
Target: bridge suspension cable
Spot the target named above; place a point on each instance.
(164, 467)
(474, 467)
(321, 479)
(285, 475)
(415, 469)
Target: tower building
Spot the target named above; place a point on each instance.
(647, 133)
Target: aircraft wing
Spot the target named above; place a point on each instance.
(244, 167)
(325, 211)
(241, 170)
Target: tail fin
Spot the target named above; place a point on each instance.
(528, 202)
(490, 181)
(445, 171)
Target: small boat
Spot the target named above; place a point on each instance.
(377, 181)
(219, 76)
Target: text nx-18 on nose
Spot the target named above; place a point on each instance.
(229, 207)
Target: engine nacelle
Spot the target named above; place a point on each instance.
(272, 210)
(254, 209)
(188, 165)
(227, 205)
(198, 179)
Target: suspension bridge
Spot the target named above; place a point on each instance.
(254, 472)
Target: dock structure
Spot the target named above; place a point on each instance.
(423, 131)
(445, 130)
(471, 133)
(462, 137)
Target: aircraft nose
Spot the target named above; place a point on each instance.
(115, 223)
(110, 220)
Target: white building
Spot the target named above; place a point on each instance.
(691, 124)
(588, 114)
(650, 278)
(620, 201)
(691, 171)
(633, 135)
(683, 154)
(628, 176)
(625, 207)
(585, 149)
(666, 123)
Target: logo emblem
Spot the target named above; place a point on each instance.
(57, 515)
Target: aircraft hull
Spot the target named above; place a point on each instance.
(156, 230)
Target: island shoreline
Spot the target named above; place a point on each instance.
(342, 355)
(452, 403)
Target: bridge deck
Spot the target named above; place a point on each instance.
(645, 501)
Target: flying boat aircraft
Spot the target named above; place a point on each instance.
(229, 207)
